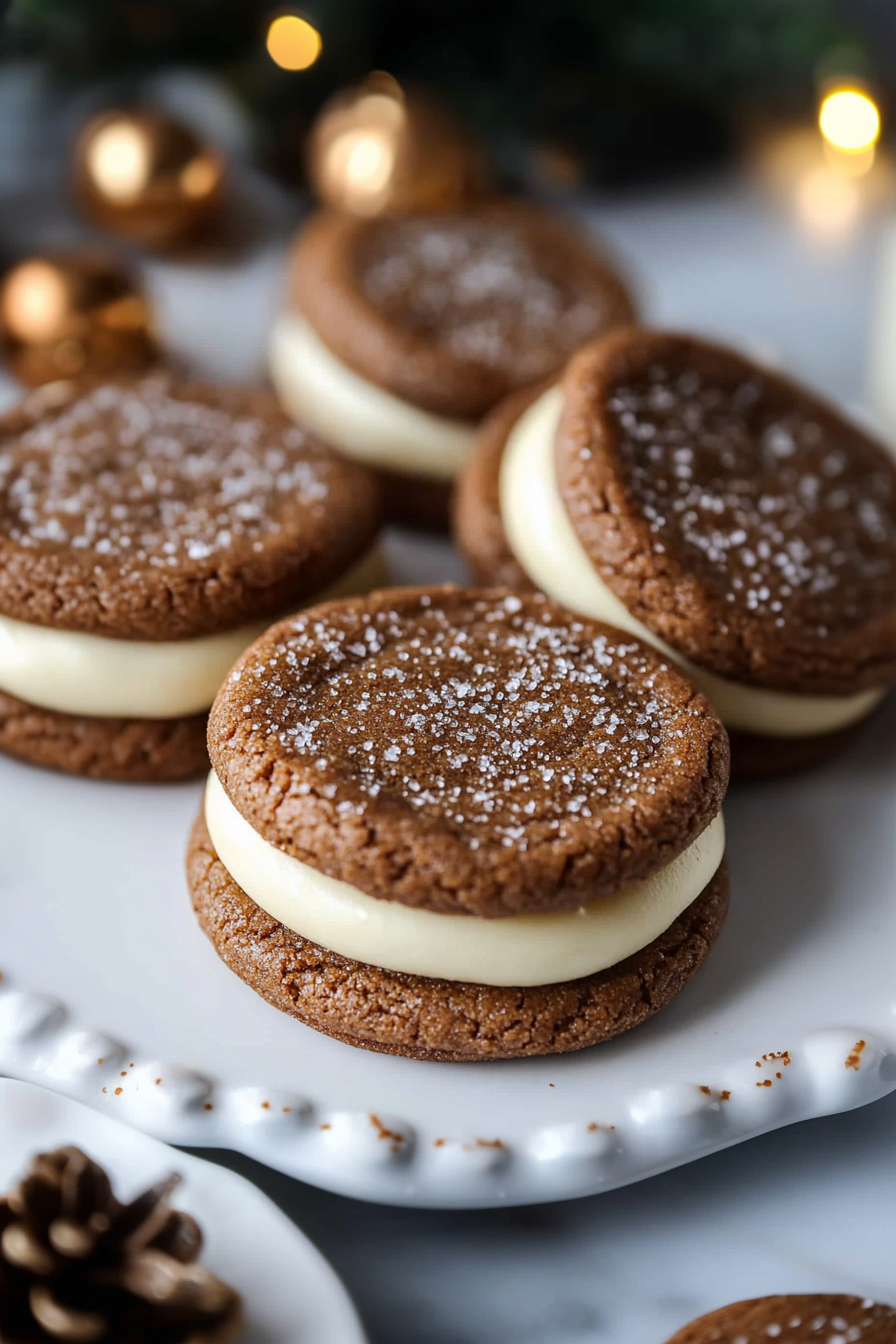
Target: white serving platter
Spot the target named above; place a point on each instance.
(288, 1289)
(111, 994)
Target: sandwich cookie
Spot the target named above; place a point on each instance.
(715, 509)
(810, 1318)
(402, 333)
(149, 531)
(461, 825)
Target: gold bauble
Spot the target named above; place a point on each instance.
(72, 316)
(376, 150)
(144, 175)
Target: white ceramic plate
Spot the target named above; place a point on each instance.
(112, 995)
(289, 1291)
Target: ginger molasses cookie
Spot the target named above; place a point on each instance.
(402, 333)
(717, 510)
(461, 825)
(150, 530)
(807, 1318)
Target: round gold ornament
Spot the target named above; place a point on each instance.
(377, 150)
(146, 176)
(72, 316)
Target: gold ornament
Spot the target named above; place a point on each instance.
(71, 316)
(375, 150)
(146, 176)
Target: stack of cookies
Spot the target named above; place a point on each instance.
(718, 511)
(461, 825)
(149, 531)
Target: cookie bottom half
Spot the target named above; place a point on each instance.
(127, 750)
(754, 756)
(444, 1020)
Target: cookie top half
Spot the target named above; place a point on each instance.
(737, 516)
(479, 752)
(793, 1318)
(159, 509)
(451, 312)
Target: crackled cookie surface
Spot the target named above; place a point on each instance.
(418, 326)
(149, 530)
(714, 509)
(737, 516)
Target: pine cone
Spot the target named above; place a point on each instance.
(78, 1266)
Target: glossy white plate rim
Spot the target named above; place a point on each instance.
(289, 1290)
(111, 995)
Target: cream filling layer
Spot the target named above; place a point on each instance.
(75, 673)
(544, 542)
(366, 422)
(543, 949)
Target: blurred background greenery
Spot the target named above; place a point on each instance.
(608, 92)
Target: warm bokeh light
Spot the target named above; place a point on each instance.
(35, 301)
(849, 120)
(850, 162)
(201, 176)
(118, 159)
(293, 43)
(828, 204)
(363, 160)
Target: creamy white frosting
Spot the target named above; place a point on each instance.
(545, 543)
(542, 949)
(76, 673)
(365, 421)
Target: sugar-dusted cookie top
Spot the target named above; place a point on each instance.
(812, 1318)
(467, 751)
(736, 515)
(158, 509)
(451, 312)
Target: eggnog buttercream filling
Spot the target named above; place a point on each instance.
(521, 950)
(75, 673)
(545, 543)
(365, 421)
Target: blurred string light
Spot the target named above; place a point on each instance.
(292, 42)
(359, 145)
(850, 126)
(849, 121)
(831, 195)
